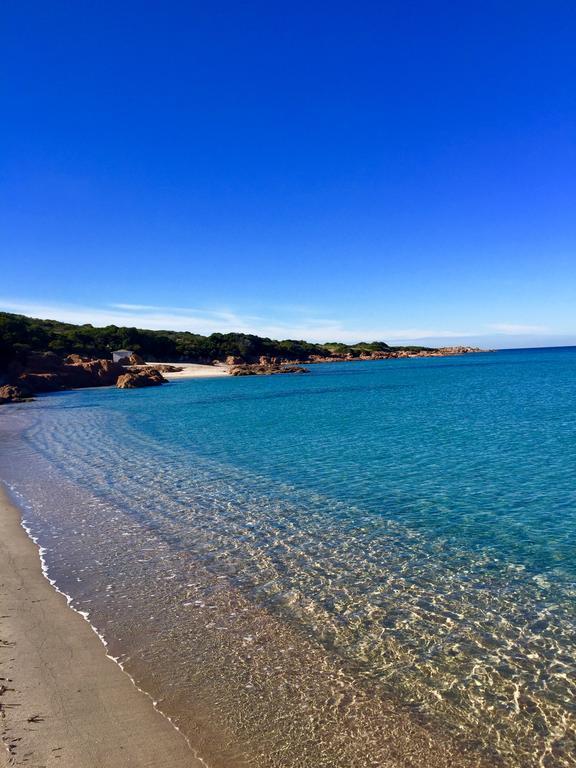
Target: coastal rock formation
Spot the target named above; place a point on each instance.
(259, 369)
(91, 373)
(380, 355)
(163, 368)
(104, 371)
(45, 371)
(75, 359)
(242, 370)
(13, 393)
(460, 350)
(440, 352)
(150, 377)
(48, 373)
(269, 361)
(392, 354)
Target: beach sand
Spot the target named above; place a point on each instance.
(194, 370)
(63, 702)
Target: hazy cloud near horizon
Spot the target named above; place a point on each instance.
(318, 329)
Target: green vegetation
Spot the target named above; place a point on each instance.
(20, 335)
(338, 348)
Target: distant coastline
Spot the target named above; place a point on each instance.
(40, 356)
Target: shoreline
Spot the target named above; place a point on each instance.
(56, 375)
(63, 699)
(128, 746)
(192, 371)
(45, 686)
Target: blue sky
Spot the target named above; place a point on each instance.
(397, 171)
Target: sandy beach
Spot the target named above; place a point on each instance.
(194, 370)
(63, 702)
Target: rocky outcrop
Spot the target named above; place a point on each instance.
(85, 373)
(135, 359)
(461, 350)
(269, 361)
(441, 352)
(259, 369)
(393, 354)
(46, 372)
(75, 359)
(380, 355)
(14, 393)
(164, 368)
(151, 377)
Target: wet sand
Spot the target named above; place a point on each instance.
(63, 702)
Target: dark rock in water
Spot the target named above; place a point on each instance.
(136, 379)
(242, 370)
(292, 369)
(265, 369)
(13, 393)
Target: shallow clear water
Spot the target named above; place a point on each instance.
(370, 565)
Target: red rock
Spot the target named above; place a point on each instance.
(265, 370)
(88, 373)
(136, 379)
(167, 368)
(14, 393)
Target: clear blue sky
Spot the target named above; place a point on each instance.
(391, 170)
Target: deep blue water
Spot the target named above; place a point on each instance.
(414, 519)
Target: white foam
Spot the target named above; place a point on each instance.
(86, 616)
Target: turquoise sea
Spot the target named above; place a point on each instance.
(370, 565)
